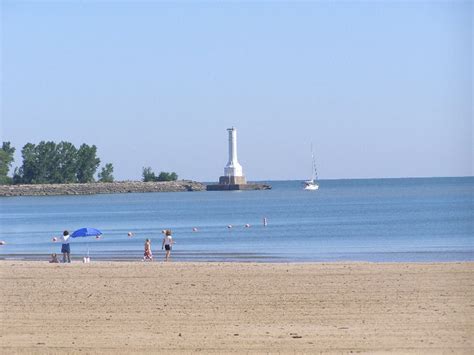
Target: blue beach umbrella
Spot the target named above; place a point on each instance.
(86, 232)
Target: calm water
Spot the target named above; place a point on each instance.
(368, 220)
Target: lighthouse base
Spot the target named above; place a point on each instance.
(231, 183)
(230, 187)
(232, 180)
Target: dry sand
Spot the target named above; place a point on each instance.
(118, 307)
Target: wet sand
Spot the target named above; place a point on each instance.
(135, 307)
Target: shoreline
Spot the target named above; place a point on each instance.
(178, 263)
(157, 258)
(244, 257)
(182, 307)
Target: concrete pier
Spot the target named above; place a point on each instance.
(233, 187)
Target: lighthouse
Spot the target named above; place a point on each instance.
(233, 174)
(234, 178)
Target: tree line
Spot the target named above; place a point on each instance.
(61, 163)
(149, 175)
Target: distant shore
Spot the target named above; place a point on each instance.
(100, 188)
(156, 307)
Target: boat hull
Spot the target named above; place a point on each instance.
(311, 187)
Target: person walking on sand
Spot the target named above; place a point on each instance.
(147, 255)
(167, 243)
(65, 248)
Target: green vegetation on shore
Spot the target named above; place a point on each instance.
(61, 163)
(149, 175)
(6, 160)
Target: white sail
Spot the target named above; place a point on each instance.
(312, 184)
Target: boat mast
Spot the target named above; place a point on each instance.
(314, 173)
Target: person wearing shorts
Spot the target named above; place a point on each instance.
(65, 248)
(167, 244)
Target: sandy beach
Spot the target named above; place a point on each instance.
(135, 307)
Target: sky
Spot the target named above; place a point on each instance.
(379, 88)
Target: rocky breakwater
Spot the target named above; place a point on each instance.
(100, 188)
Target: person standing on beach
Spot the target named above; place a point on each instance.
(167, 243)
(65, 248)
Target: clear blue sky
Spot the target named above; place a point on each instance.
(381, 89)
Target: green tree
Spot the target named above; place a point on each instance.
(148, 175)
(173, 176)
(29, 170)
(40, 164)
(106, 174)
(47, 158)
(67, 163)
(164, 176)
(49, 162)
(6, 160)
(87, 163)
(17, 176)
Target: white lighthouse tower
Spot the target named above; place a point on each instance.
(233, 174)
(234, 178)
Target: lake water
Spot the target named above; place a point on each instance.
(424, 219)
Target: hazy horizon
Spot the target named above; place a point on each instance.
(381, 90)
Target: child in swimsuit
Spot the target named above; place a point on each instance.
(147, 255)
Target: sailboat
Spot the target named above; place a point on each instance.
(312, 184)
